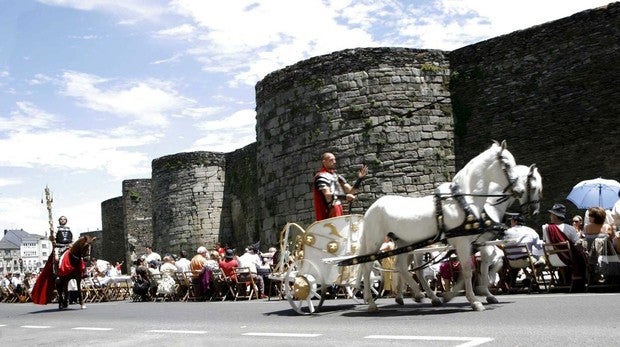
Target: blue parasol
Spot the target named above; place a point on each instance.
(596, 192)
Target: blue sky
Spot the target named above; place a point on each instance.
(92, 90)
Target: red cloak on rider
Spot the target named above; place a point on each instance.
(43, 289)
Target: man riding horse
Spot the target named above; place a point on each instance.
(62, 241)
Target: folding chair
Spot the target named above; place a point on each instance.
(245, 286)
(191, 288)
(124, 289)
(221, 286)
(103, 291)
(559, 260)
(275, 283)
(8, 295)
(518, 256)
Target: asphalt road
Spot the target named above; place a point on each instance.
(518, 320)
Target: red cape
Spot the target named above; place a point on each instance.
(43, 289)
(65, 268)
(321, 210)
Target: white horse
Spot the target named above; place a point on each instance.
(416, 220)
(490, 255)
(615, 213)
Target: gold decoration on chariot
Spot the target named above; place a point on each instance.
(332, 247)
(488, 222)
(310, 239)
(333, 229)
(467, 226)
(354, 227)
(298, 241)
(476, 225)
(301, 288)
(354, 262)
(470, 218)
(353, 248)
(373, 257)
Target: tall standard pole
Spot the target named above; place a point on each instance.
(49, 199)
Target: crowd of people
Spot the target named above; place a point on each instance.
(153, 276)
(590, 236)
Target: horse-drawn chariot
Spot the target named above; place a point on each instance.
(466, 210)
(305, 277)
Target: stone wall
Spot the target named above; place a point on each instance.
(138, 218)
(239, 222)
(414, 116)
(113, 230)
(188, 194)
(552, 92)
(386, 107)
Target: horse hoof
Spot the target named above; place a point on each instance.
(492, 300)
(477, 306)
(436, 302)
(418, 299)
(372, 308)
(399, 301)
(447, 297)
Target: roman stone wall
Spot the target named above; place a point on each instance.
(112, 230)
(239, 216)
(188, 194)
(138, 218)
(414, 116)
(552, 92)
(386, 107)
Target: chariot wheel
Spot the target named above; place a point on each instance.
(304, 287)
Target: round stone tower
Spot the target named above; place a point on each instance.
(188, 195)
(386, 107)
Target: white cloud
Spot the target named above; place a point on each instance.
(39, 79)
(174, 58)
(77, 151)
(238, 120)
(130, 10)
(31, 215)
(26, 117)
(201, 112)
(4, 182)
(181, 31)
(28, 212)
(252, 39)
(146, 102)
(227, 134)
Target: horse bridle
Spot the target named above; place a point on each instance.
(528, 191)
(506, 168)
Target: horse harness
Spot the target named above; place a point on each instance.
(471, 226)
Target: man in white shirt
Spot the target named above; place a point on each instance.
(520, 233)
(150, 255)
(182, 263)
(252, 260)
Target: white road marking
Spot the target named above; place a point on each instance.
(35, 326)
(177, 331)
(95, 329)
(470, 341)
(282, 334)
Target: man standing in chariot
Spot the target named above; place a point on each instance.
(331, 189)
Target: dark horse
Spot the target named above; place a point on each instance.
(71, 265)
